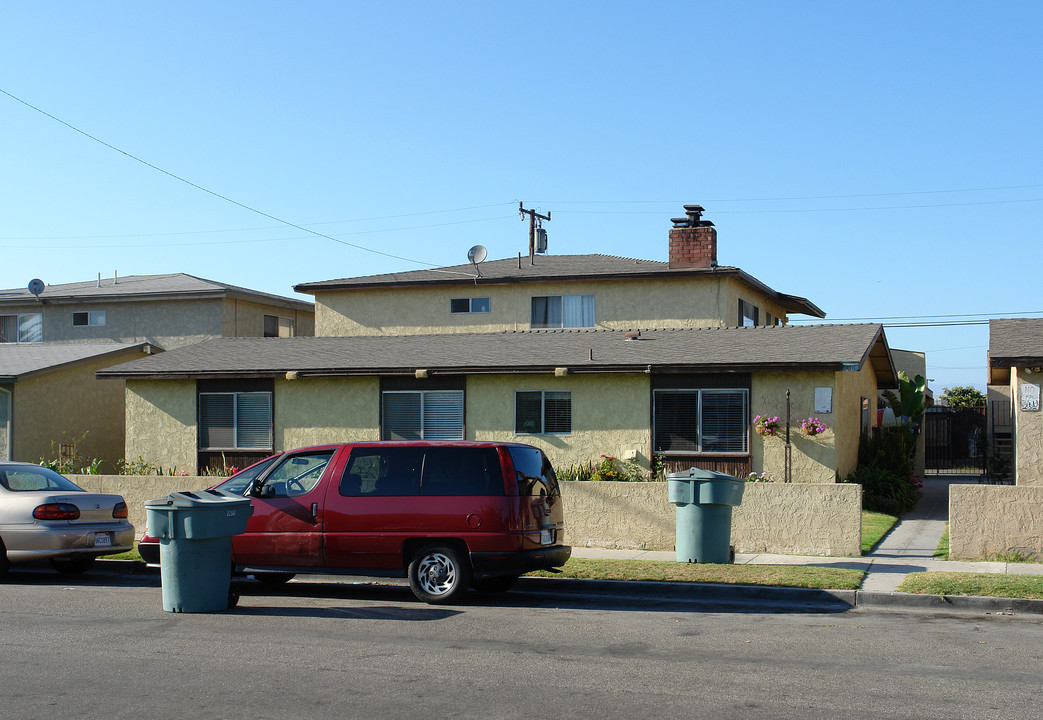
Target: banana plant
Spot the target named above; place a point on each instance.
(909, 405)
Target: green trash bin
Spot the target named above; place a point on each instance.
(195, 532)
(704, 501)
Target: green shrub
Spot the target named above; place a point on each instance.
(885, 491)
(885, 451)
(582, 471)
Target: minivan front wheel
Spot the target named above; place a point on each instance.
(439, 574)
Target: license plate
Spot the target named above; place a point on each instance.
(547, 537)
(102, 540)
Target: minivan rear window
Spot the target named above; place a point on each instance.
(429, 471)
(535, 473)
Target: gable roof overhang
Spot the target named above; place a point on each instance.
(555, 268)
(1013, 343)
(21, 361)
(831, 348)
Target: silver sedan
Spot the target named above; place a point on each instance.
(45, 516)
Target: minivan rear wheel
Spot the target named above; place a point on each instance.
(439, 574)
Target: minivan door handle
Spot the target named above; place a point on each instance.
(314, 510)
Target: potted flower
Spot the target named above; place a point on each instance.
(812, 426)
(766, 424)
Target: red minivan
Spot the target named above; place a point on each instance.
(448, 515)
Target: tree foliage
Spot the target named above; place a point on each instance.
(962, 397)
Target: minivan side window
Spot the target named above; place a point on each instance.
(461, 471)
(535, 473)
(383, 472)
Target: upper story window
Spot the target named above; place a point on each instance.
(27, 328)
(470, 305)
(275, 326)
(749, 314)
(562, 311)
(93, 317)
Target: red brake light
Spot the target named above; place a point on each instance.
(120, 510)
(56, 511)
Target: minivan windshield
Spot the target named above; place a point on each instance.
(535, 473)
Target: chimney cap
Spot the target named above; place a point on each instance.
(693, 218)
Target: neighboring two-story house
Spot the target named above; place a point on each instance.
(53, 338)
(584, 356)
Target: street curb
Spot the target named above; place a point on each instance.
(767, 597)
(713, 594)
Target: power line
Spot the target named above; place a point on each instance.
(219, 195)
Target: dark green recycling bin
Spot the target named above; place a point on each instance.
(195, 532)
(704, 501)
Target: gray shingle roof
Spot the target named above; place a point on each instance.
(139, 287)
(18, 360)
(1015, 342)
(549, 268)
(813, 347)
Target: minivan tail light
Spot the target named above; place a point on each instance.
(57, 511)
(119, 511)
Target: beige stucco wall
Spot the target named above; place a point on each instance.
(161, 423)
(847, 416)
(610, 415)
(1028, 432)
(619, 304)
(66, 405)
(312, 411)
(989, 519)
(242, 318)
(802, 519)
(813, 458)
(786, 519)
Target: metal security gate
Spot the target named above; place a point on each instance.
(955, 440)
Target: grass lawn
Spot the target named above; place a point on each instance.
(942, 553)
(129, 555)
(874, 526)
(983, 584)
(668, 571)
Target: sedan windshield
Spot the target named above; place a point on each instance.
(29, 478)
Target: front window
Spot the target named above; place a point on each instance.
(27, 328)
(296, 474)
(701, 421)
(562, 311)
(543, 412)
(235, 421)
(422, 415)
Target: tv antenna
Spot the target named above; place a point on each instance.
(476, 255)
(537, 235)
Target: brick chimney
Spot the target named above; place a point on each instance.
(693, 241)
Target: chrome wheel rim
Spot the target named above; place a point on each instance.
(436, 573)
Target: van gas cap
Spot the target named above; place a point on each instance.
(474, 521)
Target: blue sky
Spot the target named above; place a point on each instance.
(881, 159)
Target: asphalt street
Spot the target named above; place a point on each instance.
(104, 647)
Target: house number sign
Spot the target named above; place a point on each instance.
(1030, 397)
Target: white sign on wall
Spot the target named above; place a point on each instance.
(823, 400)
(1029, 397)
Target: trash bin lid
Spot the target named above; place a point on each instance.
(701, 474)
(200, 499)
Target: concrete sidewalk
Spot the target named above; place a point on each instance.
(908, 548)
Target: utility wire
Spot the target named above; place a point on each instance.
(224, 197)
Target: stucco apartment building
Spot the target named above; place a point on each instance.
(53, 338)
(582, 355)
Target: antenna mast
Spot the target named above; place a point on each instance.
(535, 221)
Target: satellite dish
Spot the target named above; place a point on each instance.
(36, 286)
(477, 254)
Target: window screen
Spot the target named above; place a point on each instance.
(235, 421)
(543, 411)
